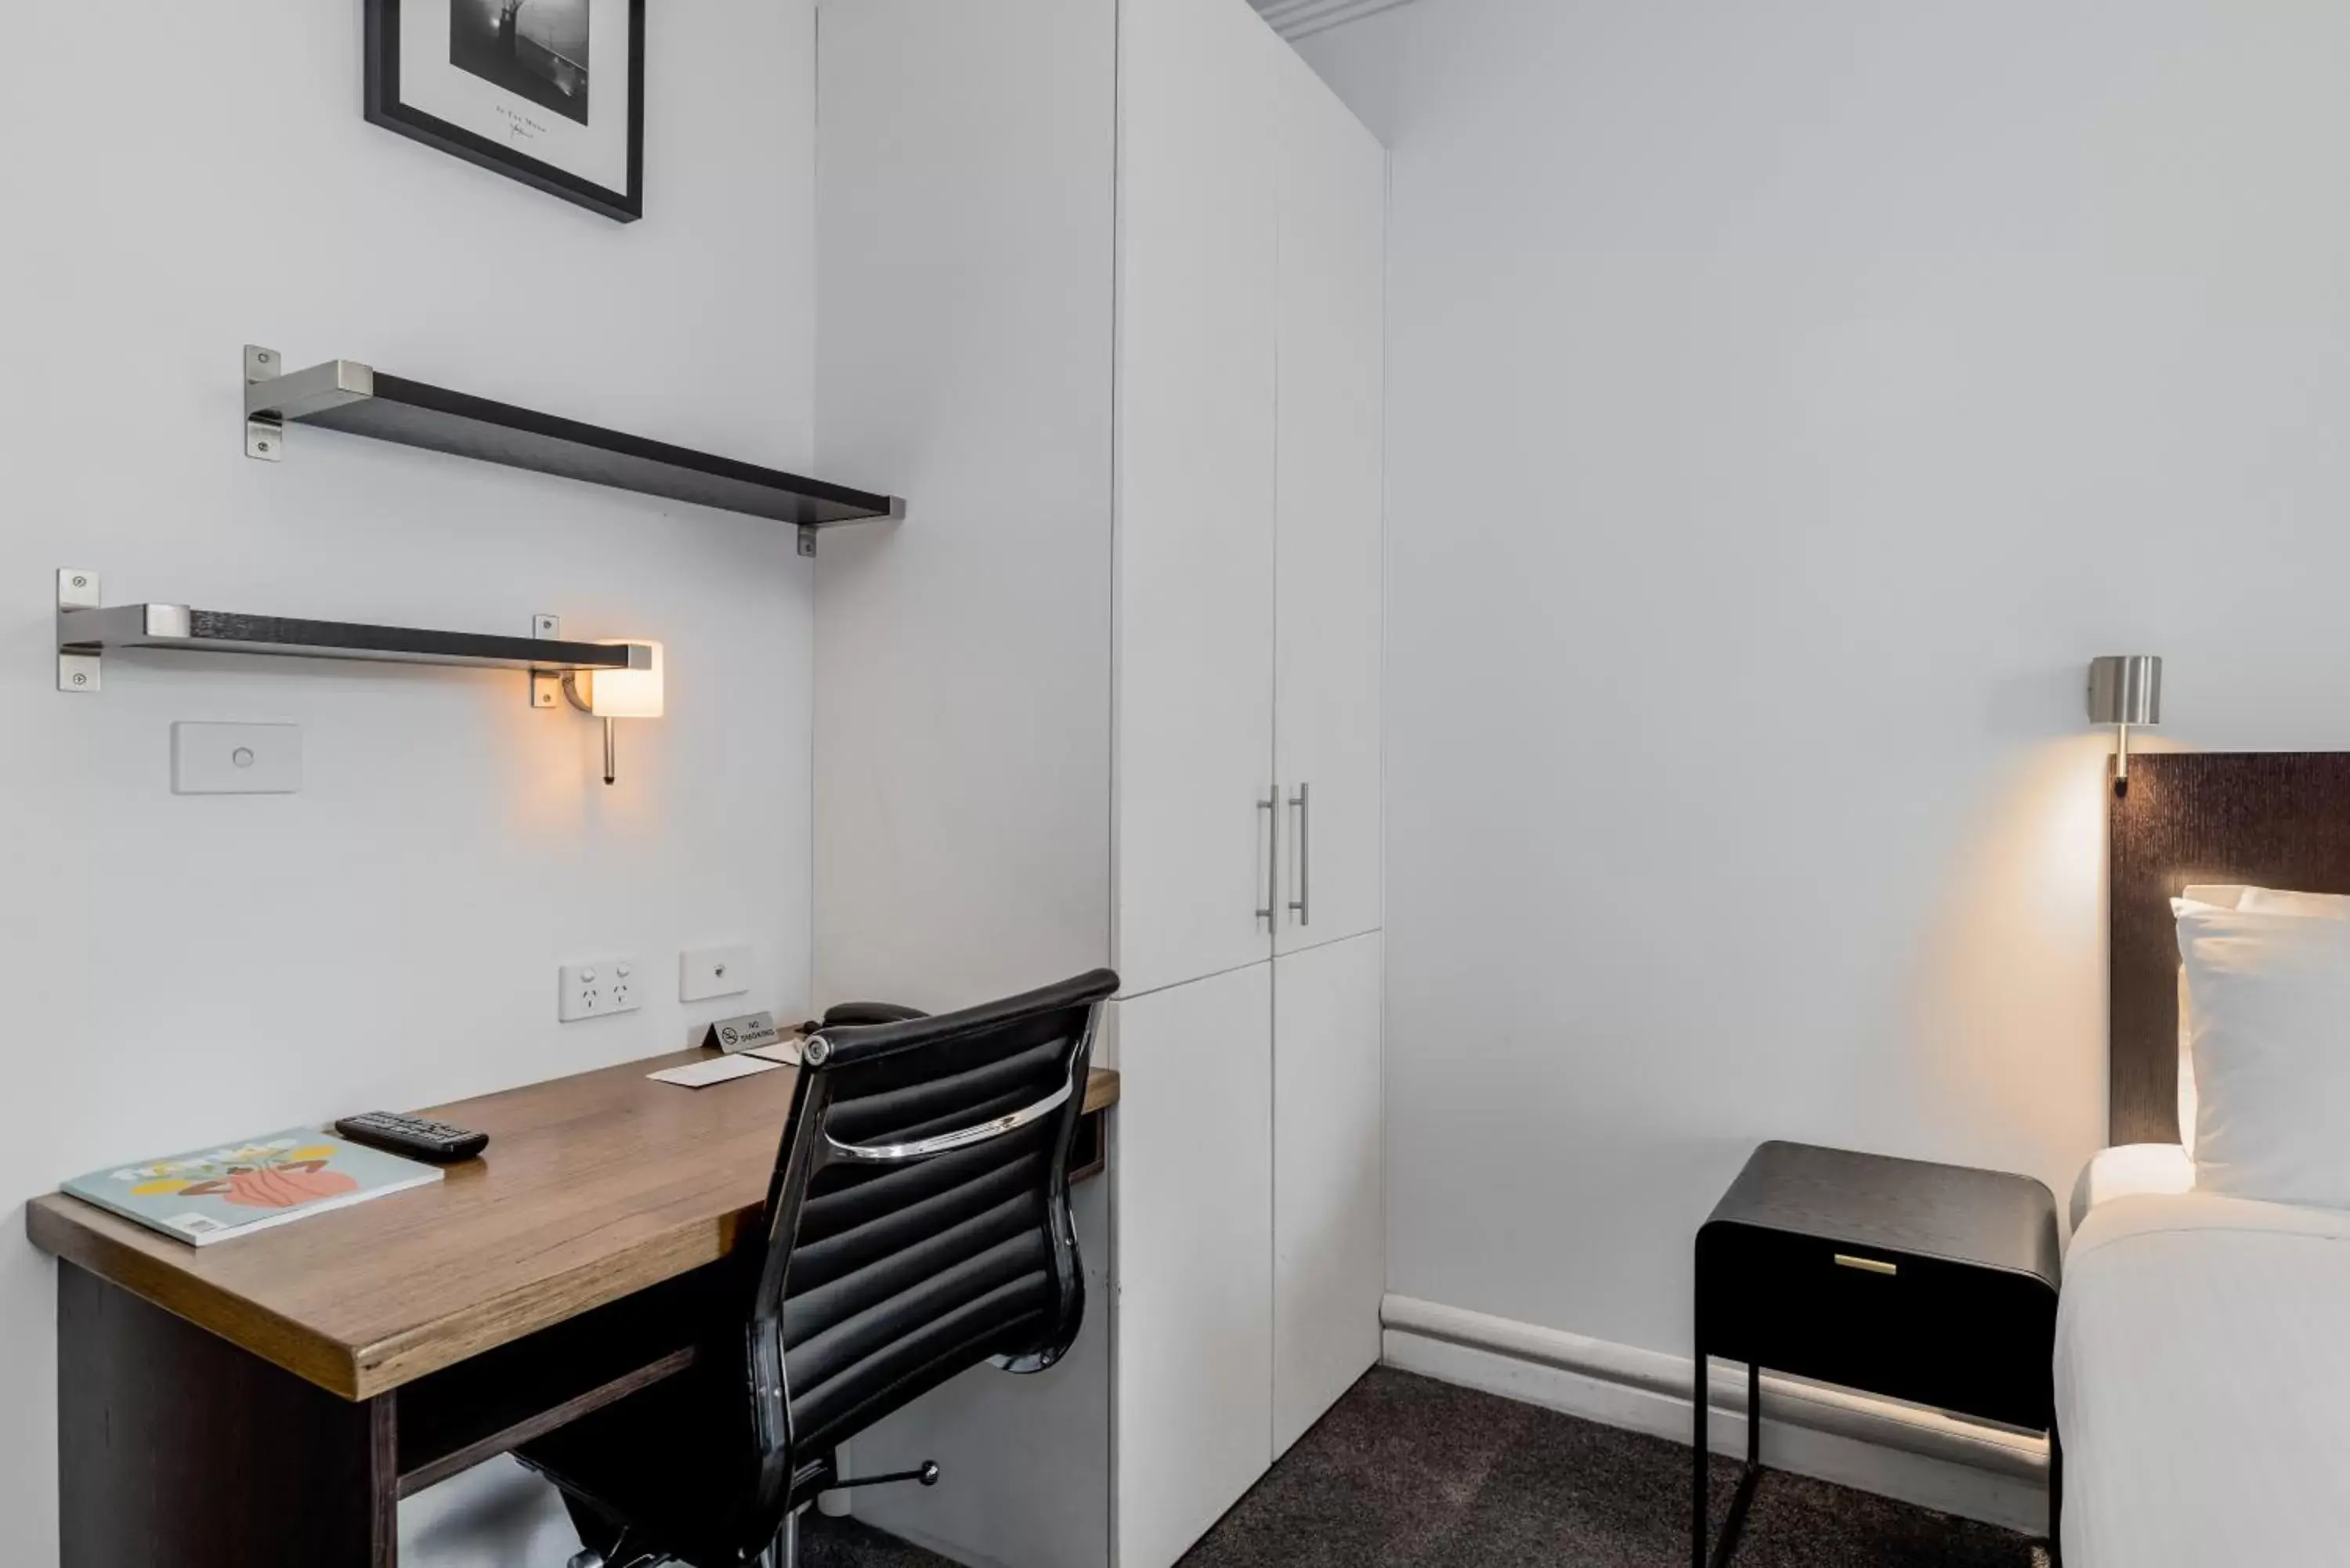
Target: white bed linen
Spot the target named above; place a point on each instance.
(2203, 1384)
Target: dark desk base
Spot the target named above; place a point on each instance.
(180, 1449)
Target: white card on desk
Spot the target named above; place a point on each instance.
(786, 1051)
(717, 1070)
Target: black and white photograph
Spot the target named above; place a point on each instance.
(535, 48)
(549, 92)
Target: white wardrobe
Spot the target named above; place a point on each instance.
(1099, 290)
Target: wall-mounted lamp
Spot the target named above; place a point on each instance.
(2125, 688)
(618, 693)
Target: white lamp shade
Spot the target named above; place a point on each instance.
(627, 693)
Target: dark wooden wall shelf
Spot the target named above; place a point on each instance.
(180, 629)
(345, 395)
(88, 628)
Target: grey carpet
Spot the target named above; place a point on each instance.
(1405, 1472)
(844, 1543)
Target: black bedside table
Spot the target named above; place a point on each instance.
(1934, 1283)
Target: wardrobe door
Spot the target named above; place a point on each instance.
(1195, 443)
(1329, 1183)
(1328, 535)
(1191, 1184)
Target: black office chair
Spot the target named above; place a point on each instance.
(917, 1224)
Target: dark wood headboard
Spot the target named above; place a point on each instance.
(2272, 819)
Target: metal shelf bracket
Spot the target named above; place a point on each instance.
(77, 589)
(273, 396)
(545, 685)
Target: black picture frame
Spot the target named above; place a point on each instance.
(385, 108)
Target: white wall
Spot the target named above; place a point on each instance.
(965, 221)
(1786, 401)
(177, 181)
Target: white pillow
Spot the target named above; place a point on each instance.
(2318, 906)
(2272, 1046)
(2190, 1106)
(2218, 897)
(2233, 895)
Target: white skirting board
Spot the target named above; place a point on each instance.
(1881, 1446)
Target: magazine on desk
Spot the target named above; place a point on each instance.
(211, 1195)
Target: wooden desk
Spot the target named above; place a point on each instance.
(356, 1357)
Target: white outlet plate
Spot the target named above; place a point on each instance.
(593, 989)
(705, 972)
(237, 759)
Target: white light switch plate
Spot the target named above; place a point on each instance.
(705, 972)
(593, 989)
(237, 759)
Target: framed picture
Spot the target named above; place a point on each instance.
(549, 92)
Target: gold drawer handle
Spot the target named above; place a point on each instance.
(1867, 1265)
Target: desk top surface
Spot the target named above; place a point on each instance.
(594, 1187)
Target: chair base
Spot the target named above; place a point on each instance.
(783, 1553)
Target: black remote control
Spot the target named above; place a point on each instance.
(414, 1136)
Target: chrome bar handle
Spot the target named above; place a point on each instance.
(1270, 807)
(1301, 904)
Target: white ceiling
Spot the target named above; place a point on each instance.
(1301, 18)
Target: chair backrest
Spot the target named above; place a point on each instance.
(917, 1222)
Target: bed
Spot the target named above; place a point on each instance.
(2203, 1384)
(2203, 1342)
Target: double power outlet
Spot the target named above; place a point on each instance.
(616, 985)
(593, 989)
